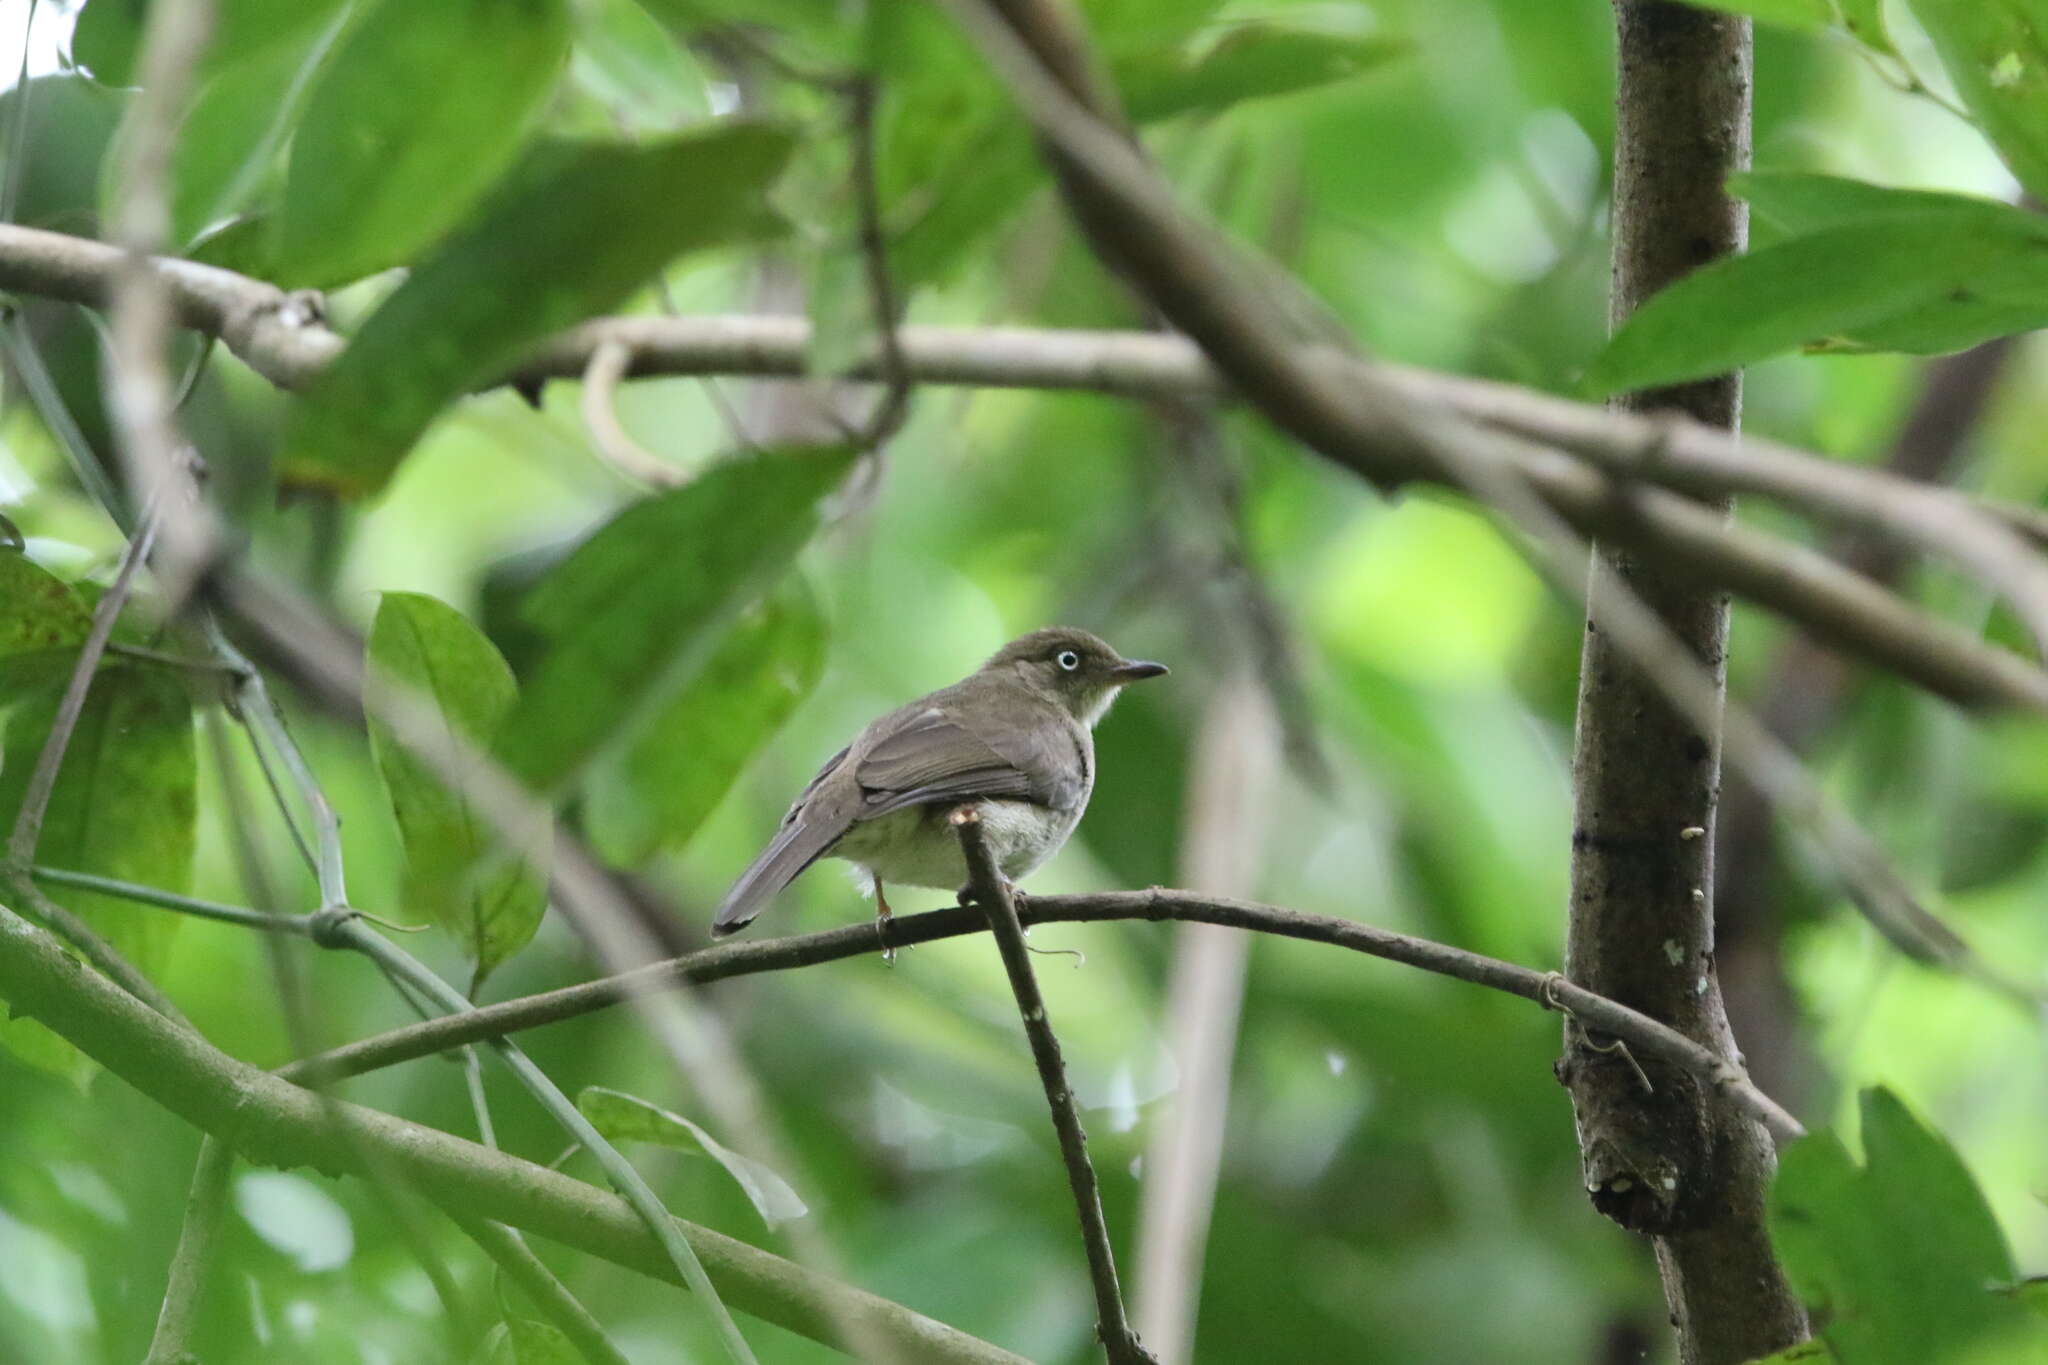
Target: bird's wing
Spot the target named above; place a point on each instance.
(931, 755)
(808, 829)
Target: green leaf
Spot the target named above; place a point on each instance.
(38, 610)
(523, 1341)
(1901, 1253)
(642, 605)
(457, 869)
(1811, 15)
(1865, 19)
(1926, 284)
(627, 60)
(1251, 61)
(229, 143)
(1792, 203)
(124, 806)
(1805, 1353)
(627, 1118)
(652, 793)
(417, 114)
(1996, 52)
(108, 34)
(580, 228)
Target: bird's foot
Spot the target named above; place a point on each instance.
(883, 914)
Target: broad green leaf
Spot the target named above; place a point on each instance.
(523, 1341)
(643, 604)
(644, 77)
(1996, 52)
(229, 144)
(457, 868)
(124, 806)
(627, 1118)
(1927, 284)
(1792, 203)
(582, 226)
(414, 117)
(1902, 1253)
(1250, 62)
(1812, 15)
(651, 794)
(1865, 19)
(108, 34)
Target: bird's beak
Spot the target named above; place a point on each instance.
(1136, 670)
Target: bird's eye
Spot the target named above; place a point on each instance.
(1067, 659)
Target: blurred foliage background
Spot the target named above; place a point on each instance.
(1399, 1178)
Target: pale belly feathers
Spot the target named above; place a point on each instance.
(917, 847)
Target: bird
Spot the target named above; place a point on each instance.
(1014, 738)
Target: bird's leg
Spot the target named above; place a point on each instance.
(883, 914)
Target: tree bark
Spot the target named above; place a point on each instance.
(1659, 1157)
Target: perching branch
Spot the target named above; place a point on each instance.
(749, 957)
(992, 893)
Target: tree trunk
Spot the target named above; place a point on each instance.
(1669, 1161)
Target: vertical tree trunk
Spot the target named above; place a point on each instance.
(1668, 1162)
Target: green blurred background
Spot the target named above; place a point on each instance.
(1399, 1177)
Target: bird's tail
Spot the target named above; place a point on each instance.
(795, 847)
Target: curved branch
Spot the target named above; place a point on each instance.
(281, 336)
(746, 958)
(268, 1120)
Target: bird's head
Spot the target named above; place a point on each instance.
(1078, 669)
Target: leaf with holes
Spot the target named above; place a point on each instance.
(125, 806)
(1996, 52)
(425, 654)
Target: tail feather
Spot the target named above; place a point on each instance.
(795, 847)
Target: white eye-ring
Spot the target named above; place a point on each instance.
(1067, 659)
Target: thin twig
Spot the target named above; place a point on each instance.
(549, 1295)
(261, 713)
(171, 900)
(42, 780)
(345, 930)
(992, 892)
(204, 1205)
(609, 364)
(893, 409)
(141, 396)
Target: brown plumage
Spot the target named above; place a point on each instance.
(1013, 737)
